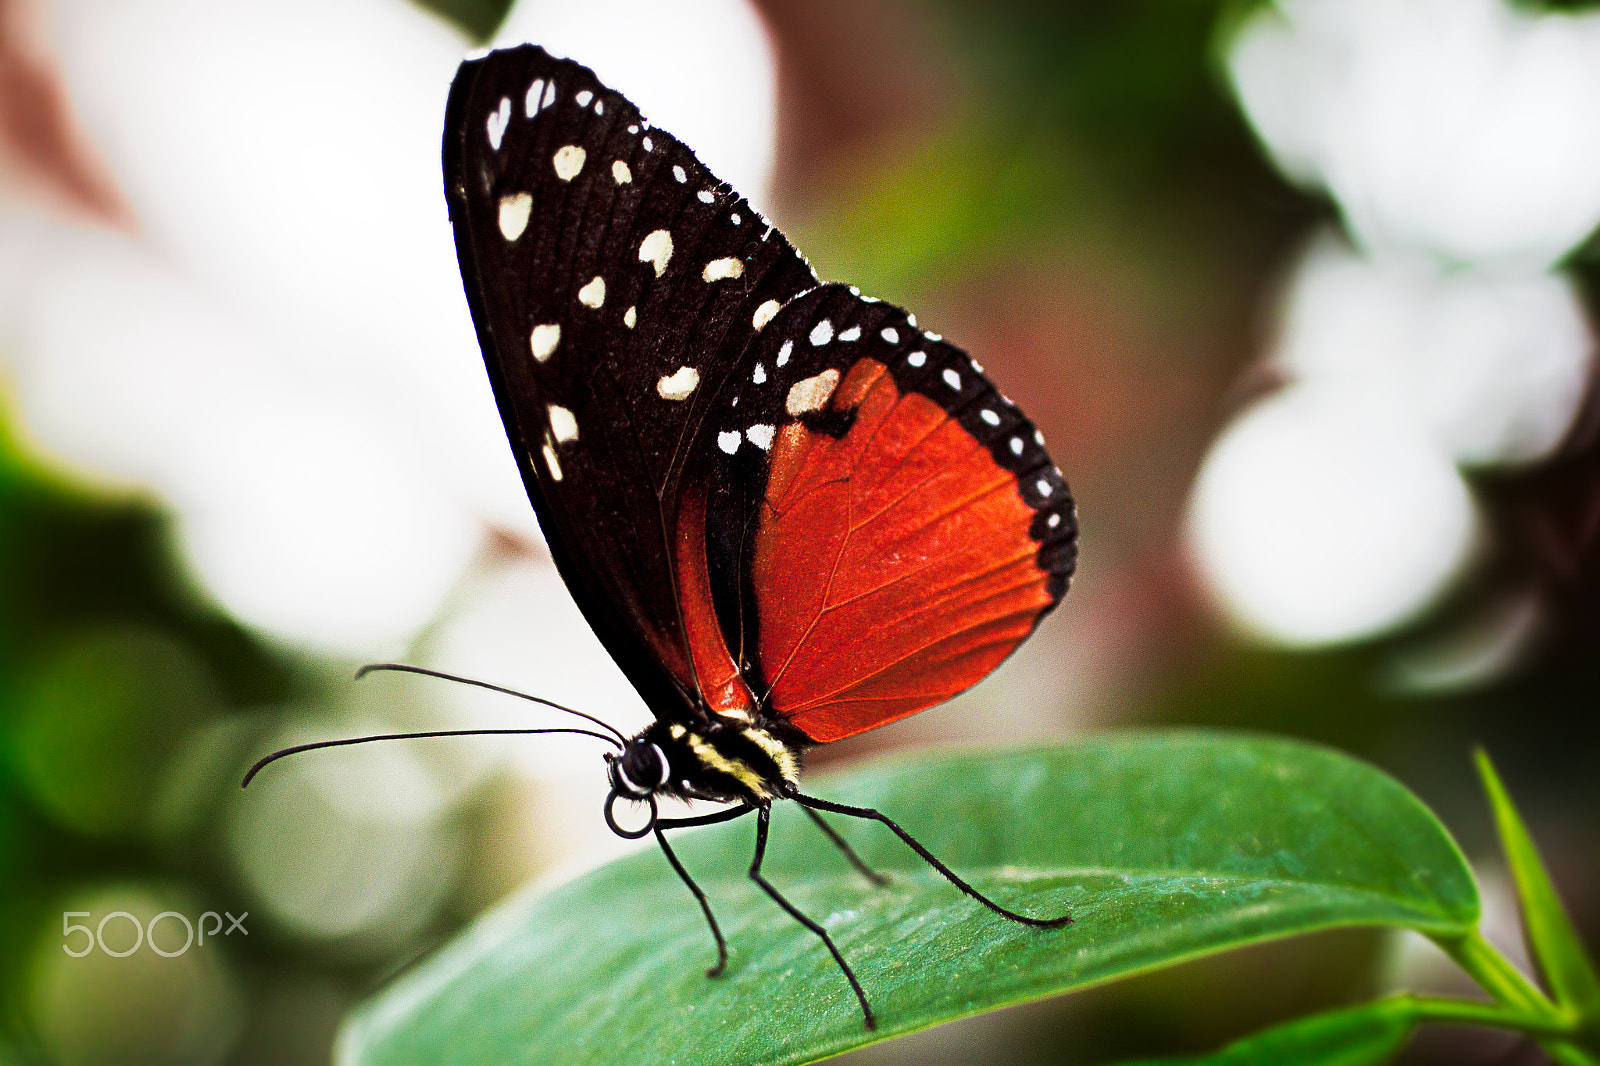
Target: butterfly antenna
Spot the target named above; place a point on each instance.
(402, 668)
(267, 760)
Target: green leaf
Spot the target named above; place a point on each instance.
(1164, 847)
(1364, 1035)
(1554, 941)
(1368, 1035)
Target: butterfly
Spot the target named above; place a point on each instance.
(788, 512)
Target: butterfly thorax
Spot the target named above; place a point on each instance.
(718, 758)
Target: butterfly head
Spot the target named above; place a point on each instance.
(637, 773)
(640, 770)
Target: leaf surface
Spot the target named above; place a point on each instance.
(1163, 846)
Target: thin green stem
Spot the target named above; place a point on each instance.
(1466, 1012)
(1531, 1011)
(1565, 1053)
(1499, 976)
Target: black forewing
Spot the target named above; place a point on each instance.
(621, 448)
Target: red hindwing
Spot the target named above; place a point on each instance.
(893, 566)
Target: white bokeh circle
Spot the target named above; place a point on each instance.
(1459, 129)
(1492, 366)
(1320, 517)
(282, 353)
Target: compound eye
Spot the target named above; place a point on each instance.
(643, 769)
(666, 767)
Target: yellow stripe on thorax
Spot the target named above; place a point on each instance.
(781, 753)
(735, 769)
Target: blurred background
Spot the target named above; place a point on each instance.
(1302, 294)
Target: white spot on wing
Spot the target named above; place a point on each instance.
(514, 211)
(656, 249)
(550, 461)
(911, 320)
(543, 341)
(718, 269)
(629, 317)
(620, 172)
(1016, 445)
(549, 95)
(728, 441)
(647, 145)
(734, 219)
(530, 105)
(933, 336)
(951, 378)
(989, 417)
(677, 172)
(783, 353)
(633, 128)
(917, 358)
(679, 384)
(569, 161)
(705, 196)
(594, 293)
(584, 98)
(1043, 486)
(764, 314)
(809, 394)
(1054, 520)
(851, 334)
(562, 423)
(760, 436)
(890, 334)
(599, 107)
(760, 375)
(821, 333)
(499, 119)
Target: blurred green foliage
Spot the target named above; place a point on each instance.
(477, 17)
(107, 659)
(1099, 132)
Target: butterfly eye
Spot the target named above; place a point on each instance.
(642, 769)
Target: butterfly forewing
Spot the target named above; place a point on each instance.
(768, 496)
(614, 282)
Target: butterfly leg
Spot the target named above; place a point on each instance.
(763, 815)
(839, 842)
(699, 895)
(812, 803)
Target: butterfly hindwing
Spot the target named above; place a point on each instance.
(896, 528)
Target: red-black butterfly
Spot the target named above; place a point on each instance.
(789, 513)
